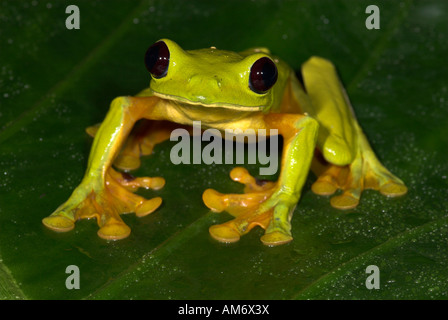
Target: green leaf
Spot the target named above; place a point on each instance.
(55, 82)
(9, 290)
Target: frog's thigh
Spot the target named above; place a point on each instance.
(352, 165)
(330, 107)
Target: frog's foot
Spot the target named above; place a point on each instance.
(106, 204)
(261, 205)
(365, 172)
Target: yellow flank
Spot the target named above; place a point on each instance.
(227, 90)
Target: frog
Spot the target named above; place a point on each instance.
(251, 89)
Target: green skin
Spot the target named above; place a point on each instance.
(211, 85)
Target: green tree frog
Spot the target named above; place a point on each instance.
(226, 90)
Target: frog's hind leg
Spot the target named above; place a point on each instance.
(346, 161)
(364, 172)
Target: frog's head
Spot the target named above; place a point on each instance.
(251, 80)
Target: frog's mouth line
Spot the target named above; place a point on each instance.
(207, 105)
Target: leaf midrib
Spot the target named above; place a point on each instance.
(159, 252)
(9, 290)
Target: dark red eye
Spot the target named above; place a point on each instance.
(263, 75)
(157, 59)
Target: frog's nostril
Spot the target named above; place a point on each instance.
(218, 82)
(190, 78)
(209, 82)
(195, 79)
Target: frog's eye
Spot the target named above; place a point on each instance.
(157, 59)
(263, 75)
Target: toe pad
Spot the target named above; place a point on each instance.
(58, 223)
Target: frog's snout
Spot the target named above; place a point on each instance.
(199, 81)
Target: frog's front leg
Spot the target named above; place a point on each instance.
(269, 205)
(145, 135)
(103, 192)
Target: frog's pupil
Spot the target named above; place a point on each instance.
(157, 59)
(263, 75)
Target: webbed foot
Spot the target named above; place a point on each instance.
(106, 203)
(262, 204)
(365, 172)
